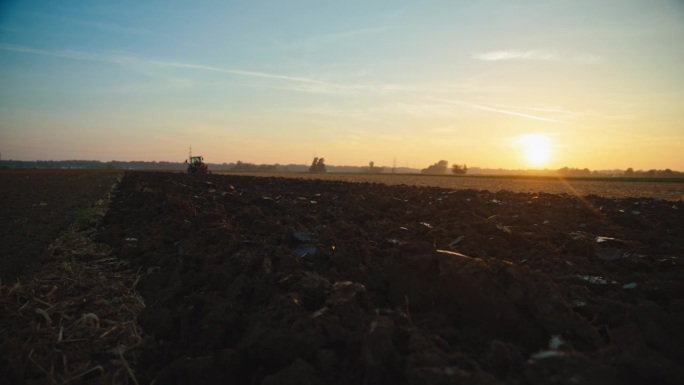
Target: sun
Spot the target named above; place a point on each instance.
(536, 148)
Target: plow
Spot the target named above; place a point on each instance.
(196, 165)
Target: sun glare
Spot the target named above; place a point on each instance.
(536, 148)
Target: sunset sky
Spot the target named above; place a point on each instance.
(493, 84)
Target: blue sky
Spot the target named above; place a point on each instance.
(354, 81)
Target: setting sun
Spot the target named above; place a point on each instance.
(536, 148)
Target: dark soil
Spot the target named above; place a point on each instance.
(37, 205)
(254, 280)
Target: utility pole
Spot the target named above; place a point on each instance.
(394, 165)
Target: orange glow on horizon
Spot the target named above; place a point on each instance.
(536, 148)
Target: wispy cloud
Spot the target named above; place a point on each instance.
(88, 23)
(337, 37)
(587, 58)
(248, 73)
(121, 59)
(67, 54)
(416, 109)
(353, 33)
(294, 83)
(328, 110)
(109, 27)
(444, 130)
(515, 55)
(534, 55)
(538, 109)
(501, 111)
(128, 60)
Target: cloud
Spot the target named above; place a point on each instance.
(336, 37)
(102, 26)
(417, 109)
(516, 55)
(128, 60)
(501, 111)
(587, 58)
(444, 130)
(535, 55)
(67, 54)
(538, 109)
(327, 110)
(248, 73)
(114, 28)
(292, 83)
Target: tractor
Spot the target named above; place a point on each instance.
(196, 165)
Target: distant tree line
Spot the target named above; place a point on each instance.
(372, 168)
(629, 173)
(459, 169)
(667, 173)
(318, 165)
(573, 172)
(241, 166)
(442, 167)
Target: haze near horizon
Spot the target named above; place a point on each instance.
(493, 84)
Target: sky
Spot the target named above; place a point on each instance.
(492, 84)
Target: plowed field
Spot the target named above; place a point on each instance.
(272, 280)
(605, 187)
(265, 280)
(36, 205)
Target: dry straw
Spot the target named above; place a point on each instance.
(73, 319)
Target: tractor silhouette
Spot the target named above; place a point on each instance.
(196, 165)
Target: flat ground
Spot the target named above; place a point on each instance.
(264, 280)
(36, 205)
(617, 188)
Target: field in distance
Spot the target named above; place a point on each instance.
(672, 190)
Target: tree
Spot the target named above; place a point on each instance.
(318, 165)
(372, 169)
(437, 168)
(573, 172)
(458, 169)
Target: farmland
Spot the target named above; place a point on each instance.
(608, 187)
(36, 205)
(349, 279)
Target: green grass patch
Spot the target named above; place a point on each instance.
(82, 216)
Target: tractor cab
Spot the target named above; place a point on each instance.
(196, 165)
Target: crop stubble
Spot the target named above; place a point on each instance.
(273, 280)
